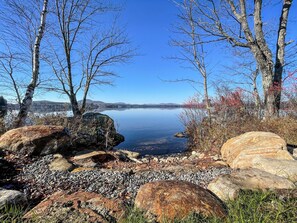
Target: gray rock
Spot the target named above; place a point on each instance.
(227, 187)
(11, 197)
(96, 130)
(109, 183)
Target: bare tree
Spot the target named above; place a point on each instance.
(9, 65)
(192, 49)
(80, 41)
(27, 100)
(23, 26)
(226, 20)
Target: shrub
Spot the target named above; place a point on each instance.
(231, 116)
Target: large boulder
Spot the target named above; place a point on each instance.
(36, 140)
(239, 151)
(76, 207)
(176, 200)
(96, 130)
(282, 168)
(227, 187)
(11, 197)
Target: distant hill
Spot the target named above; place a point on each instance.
(52, 106)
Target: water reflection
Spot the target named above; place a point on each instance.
(149, 131)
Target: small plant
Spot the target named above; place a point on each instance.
(11, 214)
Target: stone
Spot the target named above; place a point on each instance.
(80, 169)
(92, 159)
(96, 130)
(227, 187)
(180, 135)
(129, 154)
(176, 200)
(201, 156)
(60, 164)
(239, 150)
(245, 158)
(12, 197)
(36, 140)
(282, 168)
(219, 163)
(295, 153)
(77, 207)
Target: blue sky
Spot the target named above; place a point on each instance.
(149, 25)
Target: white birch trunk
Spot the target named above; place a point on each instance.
(27, 101)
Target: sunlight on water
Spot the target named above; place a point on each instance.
(149, 131)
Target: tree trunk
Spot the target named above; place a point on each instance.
(27, 101)
(280, 52)
(206, 98)
(269, 97)
(74, 106)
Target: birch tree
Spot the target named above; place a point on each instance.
(23, 26)
(240, 23)
(27, 100)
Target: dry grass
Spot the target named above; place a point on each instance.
(206, 136)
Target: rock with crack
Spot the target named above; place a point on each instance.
(36, 140)
(227, 187)
(176, 200)
(77, 207)
(239, 151)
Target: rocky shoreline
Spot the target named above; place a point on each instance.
(99, 185)
(41, 181)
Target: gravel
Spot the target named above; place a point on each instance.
(40, 181)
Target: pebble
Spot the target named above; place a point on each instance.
(110, 183)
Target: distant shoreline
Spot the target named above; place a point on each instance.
(51, 106)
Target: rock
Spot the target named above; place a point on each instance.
(239, 151)
(129, 154)
(244, 159)
(180, 135)
(215, 157)
(282, 168)
(80, 169)
(96, 130)
(36, 140)
(227, 187)
(60, 164)
(11, 197)
(295, 153)
(77, 207)
(176, 200)
(92, 159)
(201, 156)
(219, 163)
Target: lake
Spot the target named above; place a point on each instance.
(149, 131)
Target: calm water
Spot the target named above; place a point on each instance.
(149, 131)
